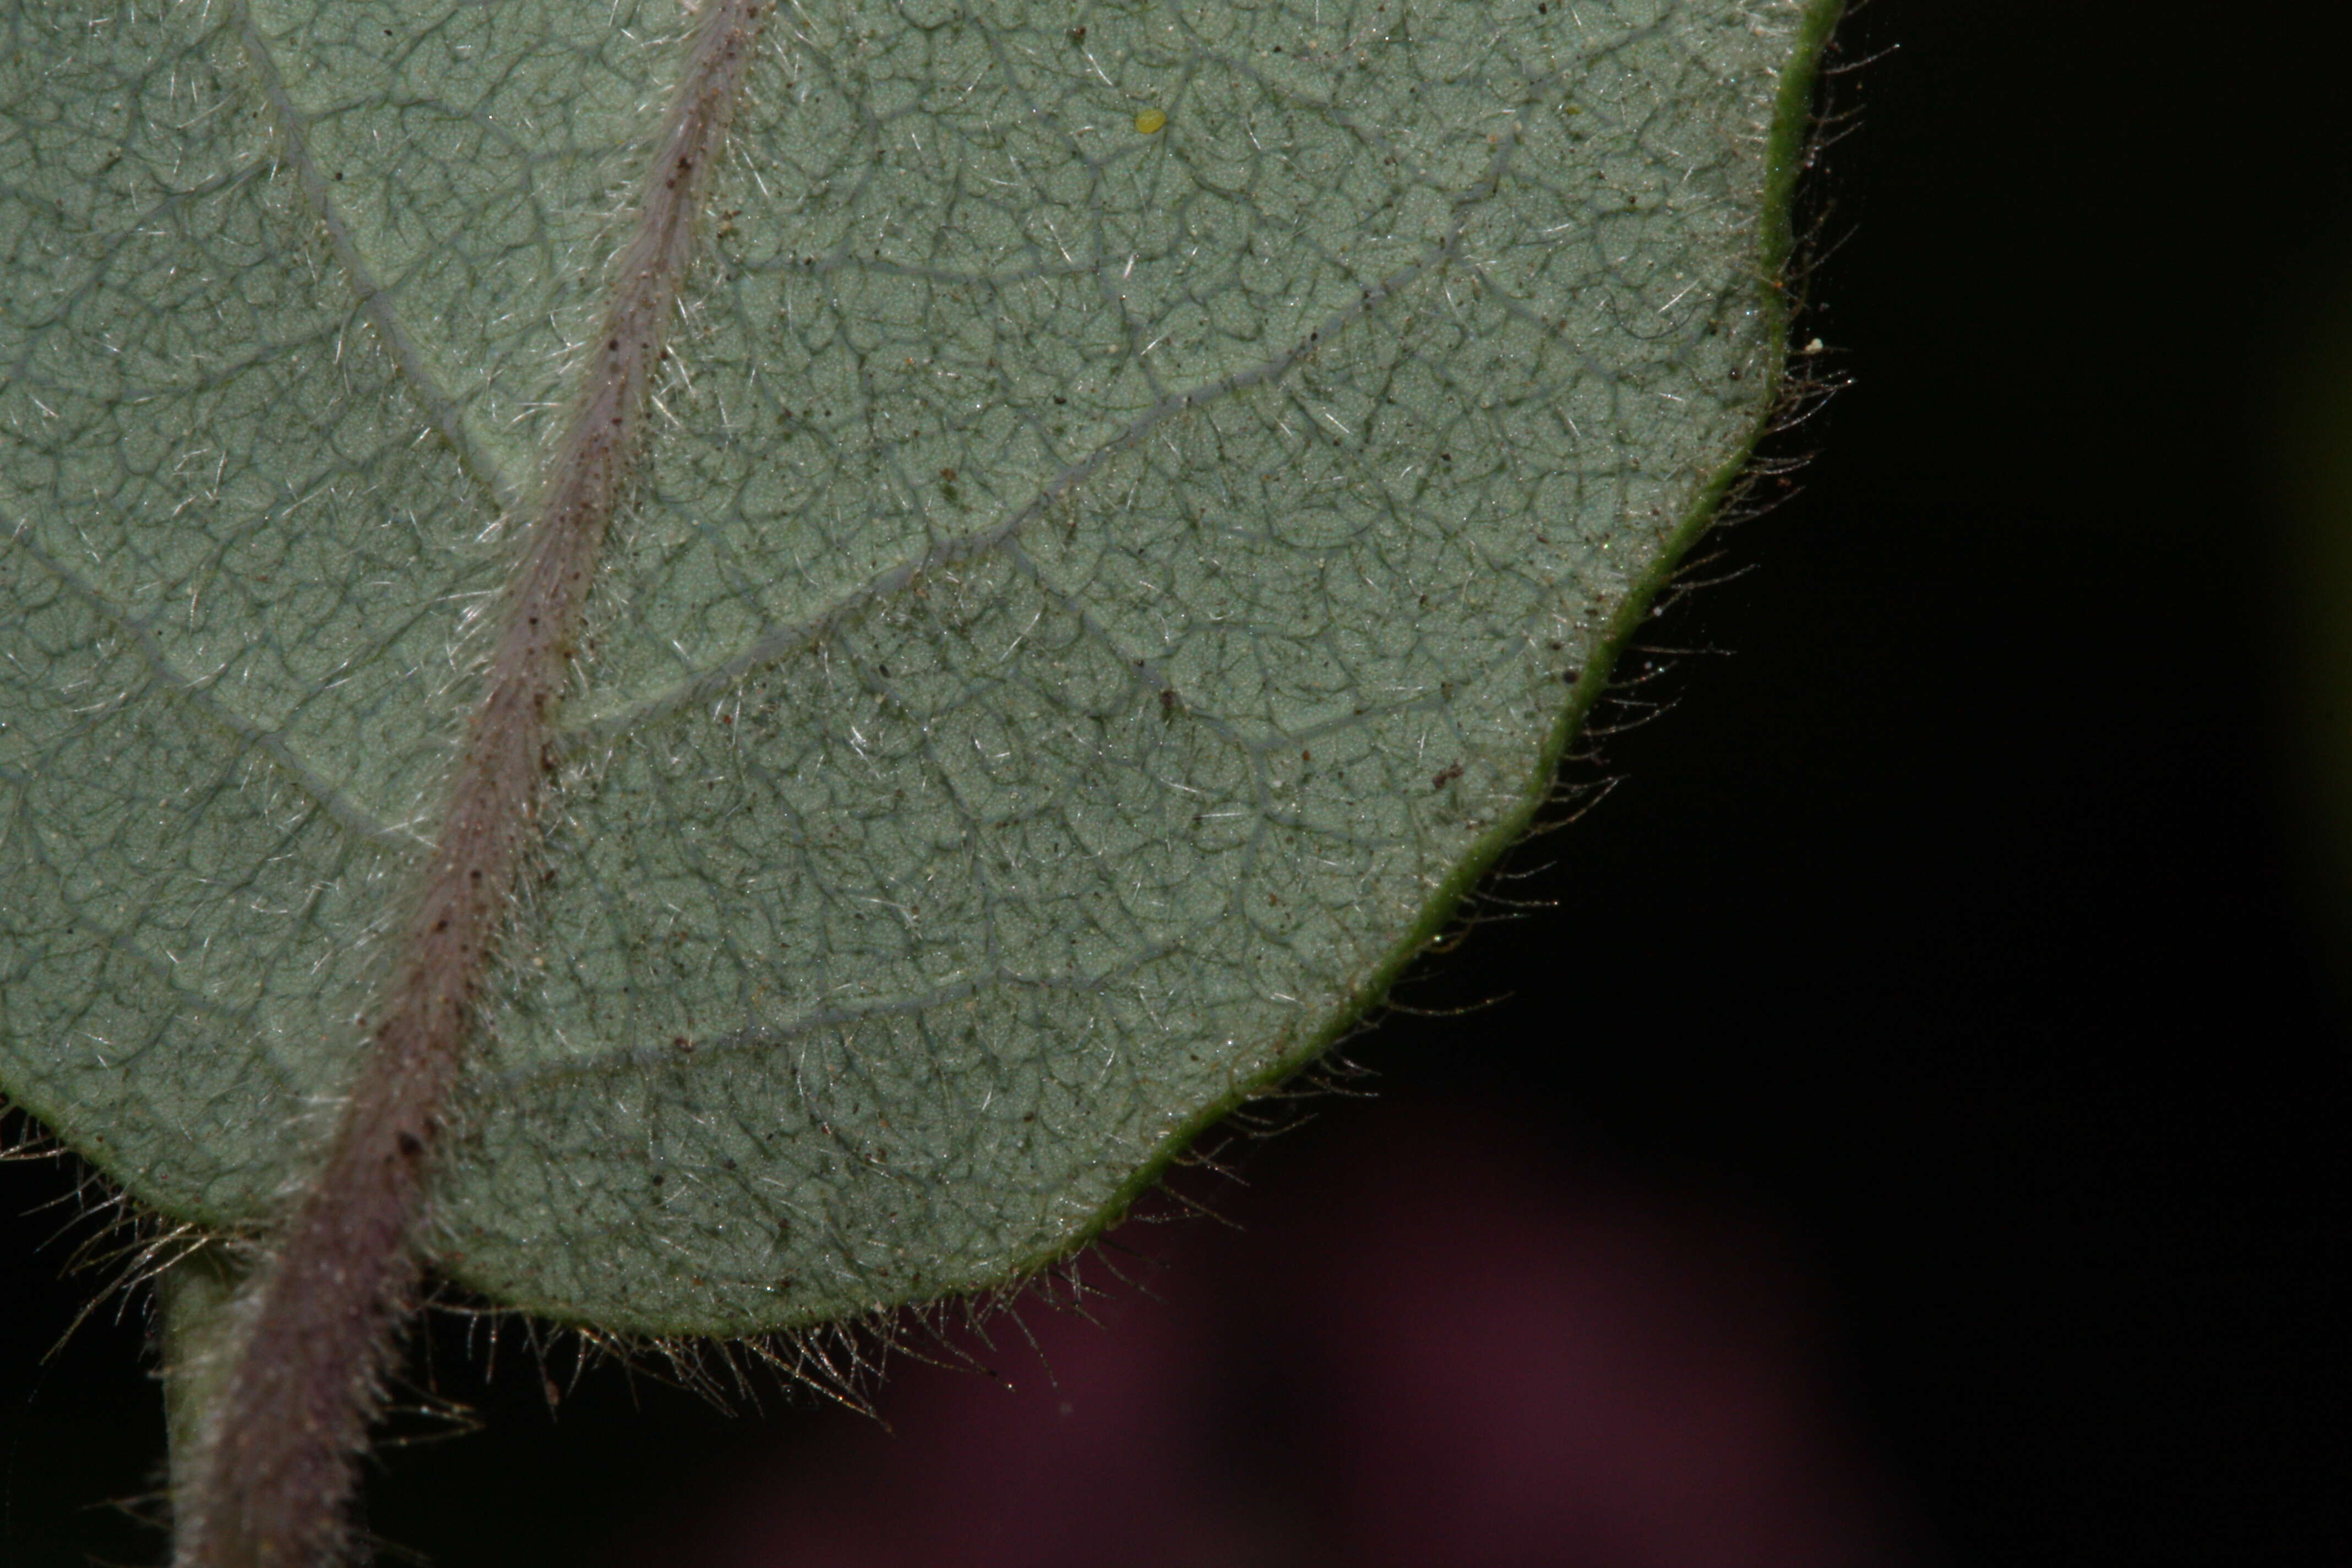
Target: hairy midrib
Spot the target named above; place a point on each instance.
(277, 1447)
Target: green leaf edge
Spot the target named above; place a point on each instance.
(1785, 152)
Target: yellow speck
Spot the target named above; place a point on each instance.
(1149, 122)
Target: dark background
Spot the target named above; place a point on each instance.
(1964, 939)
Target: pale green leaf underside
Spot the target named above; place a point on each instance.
(1093, 594)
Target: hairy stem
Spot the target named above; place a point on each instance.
(199, 1339)
(271, 1452)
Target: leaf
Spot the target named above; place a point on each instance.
(1145, 494)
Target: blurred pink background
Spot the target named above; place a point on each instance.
(1430, 1344)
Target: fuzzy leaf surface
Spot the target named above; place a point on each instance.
(1145, 494)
